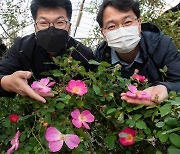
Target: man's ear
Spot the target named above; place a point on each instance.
(69, 29)
(103, 34)
(139, 20)
(35, 29)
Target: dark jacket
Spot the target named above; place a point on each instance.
(157, 51)
(26, 55)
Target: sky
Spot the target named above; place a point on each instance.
(87, 23)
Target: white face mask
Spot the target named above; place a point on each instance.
(124, 39)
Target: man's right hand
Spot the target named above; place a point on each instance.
(17, 82)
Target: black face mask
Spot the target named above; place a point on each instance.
(52, 39)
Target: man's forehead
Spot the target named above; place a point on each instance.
(57, 18)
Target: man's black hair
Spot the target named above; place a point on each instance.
(37, 4)
(122, 5)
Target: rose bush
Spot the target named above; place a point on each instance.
(88, 115)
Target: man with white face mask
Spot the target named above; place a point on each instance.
(137, 46)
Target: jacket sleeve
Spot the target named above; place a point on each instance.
(10, 63)
(171, 59)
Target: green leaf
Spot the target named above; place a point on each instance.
(141, 124)
(105, 64)
(60, 106)
(22, 137)
(48, 118)
(110, 141)
(158, 152)
(130, 122)
(175, 139)
(163, 137)
(121, 118)
(51, 109)
(176, 102)
(138, 107)
(136, 117)
(147, 131)
(96, 90)
(93, 62)
(173, 150)
(111, 111)
(6, 123)
(160, 124)
(165, 109)
(171, 121)
(139, 137)
(57, 73)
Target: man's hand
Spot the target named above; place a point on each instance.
(17, 82)
(158, 94)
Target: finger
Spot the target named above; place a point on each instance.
(23, 74)
(45, 94)
(31, 93)
(137, 101)
(123, 94)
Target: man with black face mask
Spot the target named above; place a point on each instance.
(29, 54)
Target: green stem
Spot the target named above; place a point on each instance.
(38, 142)
(172, 130)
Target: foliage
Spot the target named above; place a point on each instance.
(169, 24)
(13, 19)
(157, 128)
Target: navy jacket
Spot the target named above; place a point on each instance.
(26, 55)
(157, 51)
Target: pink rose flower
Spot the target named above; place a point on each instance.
(139, 78)
(81, 119)
(56, 139)
(133, 92)
(14, 143)
(126, 136)
(14, 118)
(42, 85)
(77, 87)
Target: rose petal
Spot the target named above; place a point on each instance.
(126, 142)
(88, 117)
(17, 145)
(72, 141)
(51, 84)
(129, 131)
(10, 150)
(75, 114)
(130, 94)
(44, 81)
(77, 123)
(44, 90)
(77, 87)
(56, 145)
(35, 85)
(52, 134)
(85, 125)
(132, 89)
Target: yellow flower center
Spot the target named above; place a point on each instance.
(138, 93)
(43, 85)
(62, 136)
(14, 143)
(76, 90)
(129, 137)
(81, 118)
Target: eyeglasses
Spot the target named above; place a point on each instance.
(113, 25)
(59, 24)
